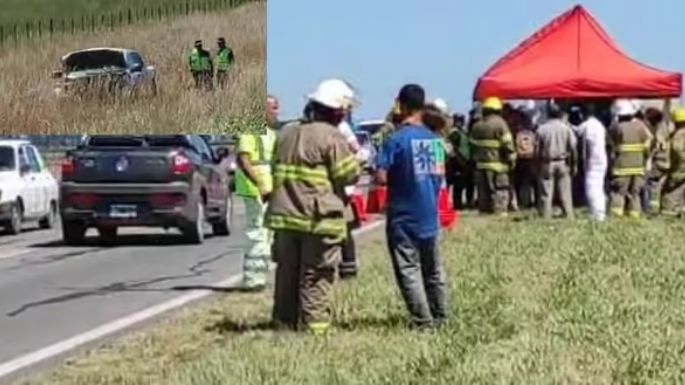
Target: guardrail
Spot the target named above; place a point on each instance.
(91, 23)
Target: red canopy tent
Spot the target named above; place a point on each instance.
(573, 57)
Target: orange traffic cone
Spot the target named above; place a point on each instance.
(448, 217)
(359, 205)
(377, 200)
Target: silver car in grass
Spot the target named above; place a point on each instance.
(104, 70)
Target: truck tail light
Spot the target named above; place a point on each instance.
(67, 166)
(80, 200)
(181, 164)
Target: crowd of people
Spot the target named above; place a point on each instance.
(297, 181)
(616, 156)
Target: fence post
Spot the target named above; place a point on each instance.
(2, 34)
(129, 16)
(92, 23)
(111, 21)
(159, 13)
(40, 28)
(73, 26)
(121, 18)
(102, 21)
(28, 30)
(144, 13)
(187, 8)
(14, 33)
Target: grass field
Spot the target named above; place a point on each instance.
(30, 107)
(18, 11)
(532, 303)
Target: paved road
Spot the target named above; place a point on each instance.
(50, 292)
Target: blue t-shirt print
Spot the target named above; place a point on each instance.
(414, 159)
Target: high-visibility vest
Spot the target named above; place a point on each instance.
(224, 59)
(199, 62)
(260, 150)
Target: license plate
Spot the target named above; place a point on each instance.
(123, 211)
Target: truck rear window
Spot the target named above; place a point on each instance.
(7, 161)
(172, 141)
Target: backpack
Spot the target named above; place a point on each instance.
(525, 144)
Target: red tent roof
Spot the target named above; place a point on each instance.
(573, 57)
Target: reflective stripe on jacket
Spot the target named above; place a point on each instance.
(493, 145)
(259, 149)
(199, 62)
(630, 145)
(224, 59)
(313, 163)
(677, 156)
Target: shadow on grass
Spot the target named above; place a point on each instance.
(230, 326)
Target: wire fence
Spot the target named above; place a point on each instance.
(92, 23)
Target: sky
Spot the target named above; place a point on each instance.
(444, 45)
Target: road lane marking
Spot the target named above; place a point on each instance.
(64, 346)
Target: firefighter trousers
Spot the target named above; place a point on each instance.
(258, 248)
(493, 191)
(625, 194)
(673, 197)
(556, 177)
(419, 275)
(305, 274)
(349, 265)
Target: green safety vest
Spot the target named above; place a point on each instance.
(224, 59)
(260, 149)
(199, 63)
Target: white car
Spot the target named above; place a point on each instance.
(28, 190)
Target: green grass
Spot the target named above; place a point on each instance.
(21, 11)
(532, 302)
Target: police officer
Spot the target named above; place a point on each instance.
(313, 164)
(253, 184)
(629, 142)
(673, 198)
(224, 61)
(495, 156)
(200, 63)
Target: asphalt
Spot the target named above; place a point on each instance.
(50, 292)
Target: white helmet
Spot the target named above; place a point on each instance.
(625, 107)
(441, 105)
(334, 93)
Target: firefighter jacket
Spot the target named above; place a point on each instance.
(629, 144)
(677, 156)
(660, 154)
(493, 145)
(312, 165)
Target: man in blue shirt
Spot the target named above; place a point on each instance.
(411, 163)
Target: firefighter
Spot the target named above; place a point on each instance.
(312, 164)
(253, 184)
(495, 156)
(658, 163)
(200, 63)
(629, 142)
(224, 61)
(673, 198)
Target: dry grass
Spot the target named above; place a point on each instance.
(533, 302)
(30, 107)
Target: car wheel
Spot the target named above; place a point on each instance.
(108, 235)
(16, 219)
(194, 231)
(48, 221)
(223, 227)
(73, 232)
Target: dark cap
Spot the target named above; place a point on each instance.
(198, 42)
(221, 40)
(412, 97)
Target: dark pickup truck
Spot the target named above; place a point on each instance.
(169, 181)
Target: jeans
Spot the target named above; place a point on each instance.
(419, 275)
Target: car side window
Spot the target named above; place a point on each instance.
(135, 62)
(40, 165)
(34, 163)
(202, 148)
(23, 158)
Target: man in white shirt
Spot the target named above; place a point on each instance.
(596, 163)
